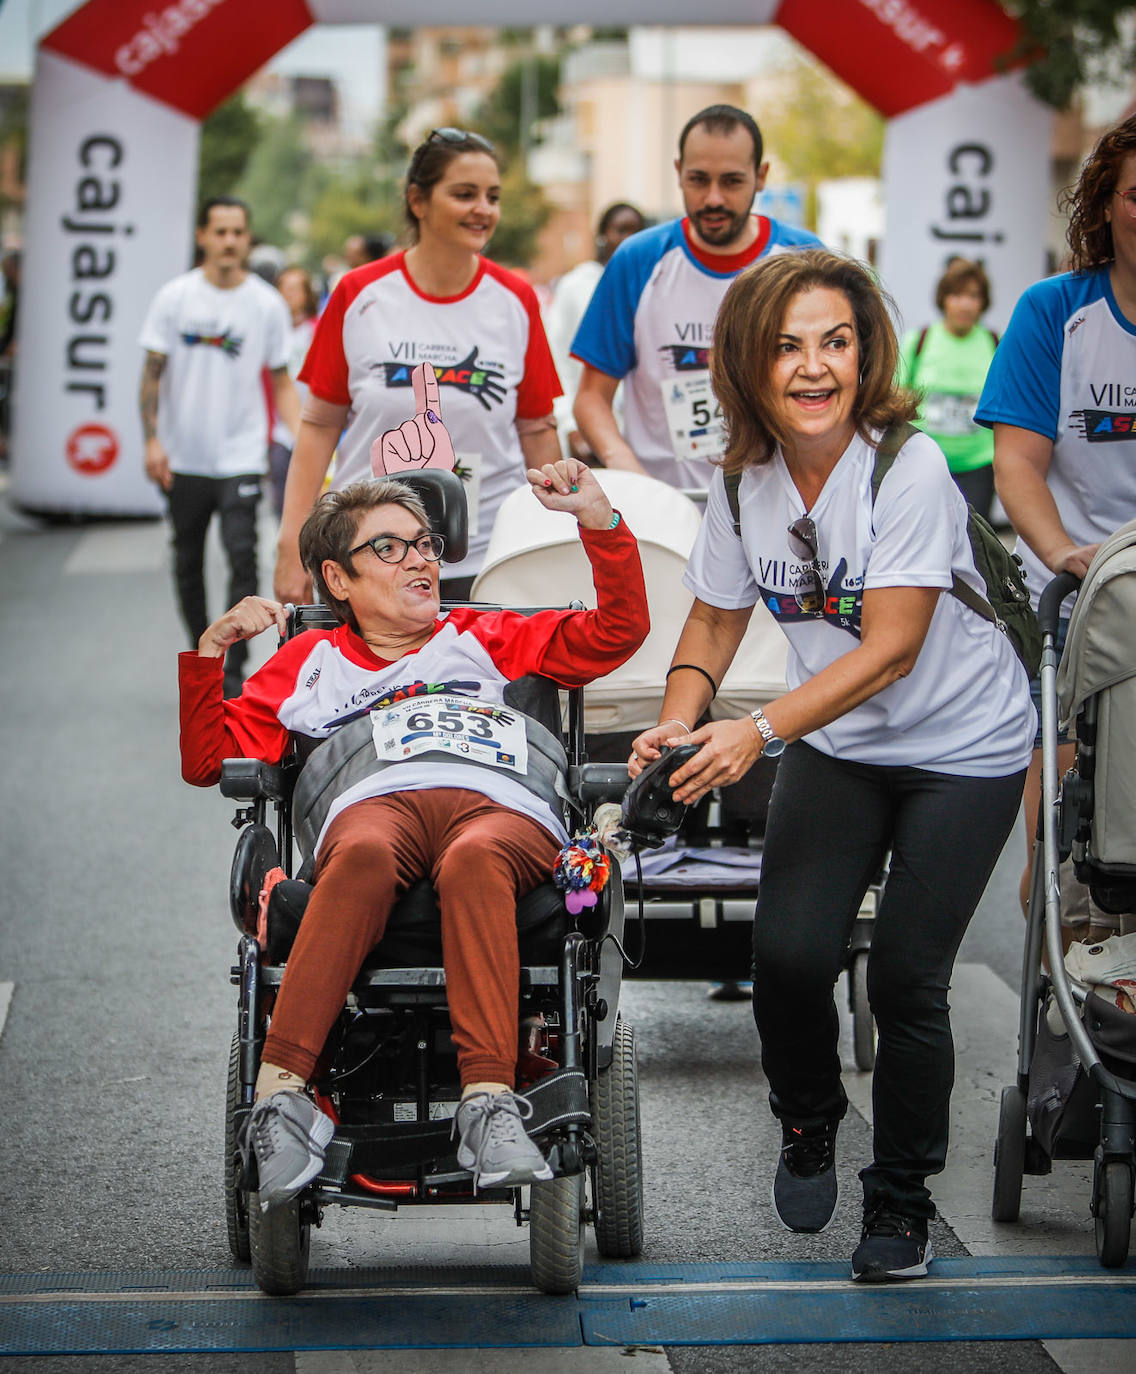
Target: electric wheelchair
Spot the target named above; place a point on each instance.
(388, 1074)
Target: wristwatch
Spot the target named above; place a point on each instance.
(774, 744)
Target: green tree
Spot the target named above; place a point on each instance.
(509, 117)
(524, 213)
(360, 199)
(278, 180)
(817, 128)
(228, 137)
(14, 133)
(528, 91)
(1073, 43)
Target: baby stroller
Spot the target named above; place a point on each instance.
(388, 1075)
(1075, 1096)
(699, 888)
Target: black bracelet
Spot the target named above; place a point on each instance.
(694, 668)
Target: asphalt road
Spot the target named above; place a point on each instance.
(115, 945)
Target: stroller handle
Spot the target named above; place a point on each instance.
(1049, 609)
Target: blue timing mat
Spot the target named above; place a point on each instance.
(618, 1304)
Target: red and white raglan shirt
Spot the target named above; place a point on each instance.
(650, 322)
(324, 679)
(491, 357)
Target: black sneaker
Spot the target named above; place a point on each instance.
(805, 1186)
(892, 1246)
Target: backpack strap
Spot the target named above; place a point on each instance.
(894, 438)
(920, 341)
(887, 451)
(733, 481)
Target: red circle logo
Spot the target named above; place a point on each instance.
(92, 449)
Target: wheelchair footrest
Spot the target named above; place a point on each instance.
(377, 1148)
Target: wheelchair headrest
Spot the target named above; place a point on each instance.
(443, 495)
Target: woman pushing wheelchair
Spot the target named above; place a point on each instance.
(478, 814)
(906, 728)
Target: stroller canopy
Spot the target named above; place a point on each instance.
(535, 558)
(1100, 650)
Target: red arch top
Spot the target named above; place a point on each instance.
(191, 54)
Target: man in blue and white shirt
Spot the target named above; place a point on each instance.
(650, 321)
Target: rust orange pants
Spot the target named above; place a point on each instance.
(480, 858)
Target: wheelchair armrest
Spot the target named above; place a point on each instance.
(598, 782)
(252, 780)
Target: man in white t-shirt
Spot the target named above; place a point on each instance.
(650, 320)
(208, 335)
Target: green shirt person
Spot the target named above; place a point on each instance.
(947, 363)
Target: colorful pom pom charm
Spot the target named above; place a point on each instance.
(581, 872)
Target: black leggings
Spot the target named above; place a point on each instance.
(831, 825)
(192, 502)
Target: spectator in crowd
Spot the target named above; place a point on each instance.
(946, 363)
(295, 285)
(208, 334)
(566, 309)
(1059, 398)
(440, 301)
(906, 728)
(650, 320)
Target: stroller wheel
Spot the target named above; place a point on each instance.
(556, 1233)
(1112, 1187)
(863, 1022)
(1009, 1155)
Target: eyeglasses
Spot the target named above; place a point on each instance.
(803, 544)
(389, 548)
(1129, 199)
(454, 136)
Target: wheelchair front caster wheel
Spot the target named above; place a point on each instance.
(279, 1241)
(556, 1233)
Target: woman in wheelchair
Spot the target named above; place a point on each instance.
(477, 811)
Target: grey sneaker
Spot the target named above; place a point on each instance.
(288, 1134)
(493, 1144)
(805, 1187)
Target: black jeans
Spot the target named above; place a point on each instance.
(192, 502)
(831, 825)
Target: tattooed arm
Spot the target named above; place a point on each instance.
(157, 460)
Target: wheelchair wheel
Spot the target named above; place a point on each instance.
(236, 1198)
(1009, 1155)
(1112, 1207)
(278, 1243)
(556, 1233)
(863, 1022)
(617, 1176)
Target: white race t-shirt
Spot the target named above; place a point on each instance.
(490, 356)
(212, 411)
(650, 322)
(1066, 369)
(965, 706)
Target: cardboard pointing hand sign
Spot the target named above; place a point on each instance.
(422, 442)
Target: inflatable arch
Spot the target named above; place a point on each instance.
(121, 85)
